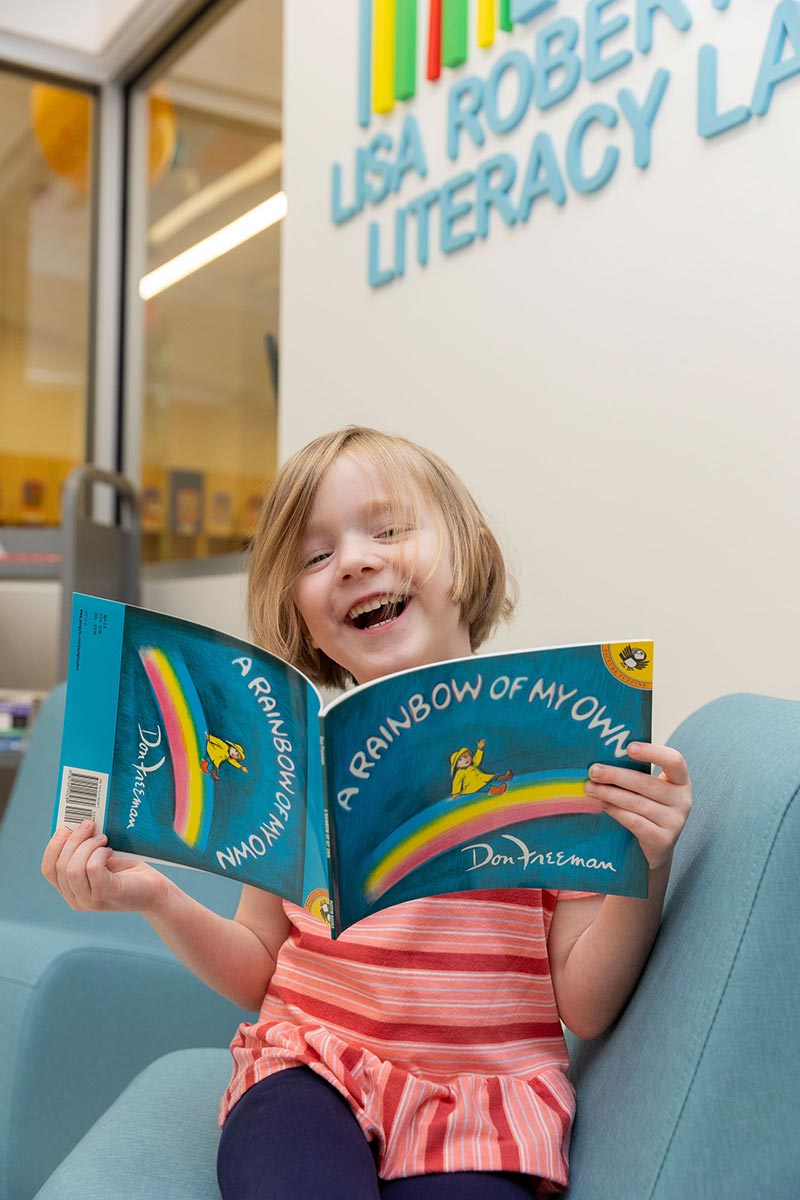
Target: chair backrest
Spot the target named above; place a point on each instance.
(693, 1093)
(24, 894)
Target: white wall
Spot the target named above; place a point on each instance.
(615, 379)
(216, 600)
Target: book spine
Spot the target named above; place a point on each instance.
(90, 718)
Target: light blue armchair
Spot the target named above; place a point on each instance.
(86, 999)
(691, 1095)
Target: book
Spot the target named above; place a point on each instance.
(188, 746)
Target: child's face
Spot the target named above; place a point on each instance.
(368, 590)
(464, 760)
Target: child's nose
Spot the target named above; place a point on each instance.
(359, 556)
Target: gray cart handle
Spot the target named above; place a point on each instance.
(98, 559)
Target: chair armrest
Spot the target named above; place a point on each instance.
(692, 1093)
(81, 1017)
(159, 1139)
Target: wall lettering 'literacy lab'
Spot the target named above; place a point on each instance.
(481, 109)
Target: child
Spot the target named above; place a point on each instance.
(426, 1051)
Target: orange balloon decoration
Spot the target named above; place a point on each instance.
(62, 122)
(163, 137)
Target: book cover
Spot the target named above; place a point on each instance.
(189, 746)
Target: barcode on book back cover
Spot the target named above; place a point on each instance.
(83, 797)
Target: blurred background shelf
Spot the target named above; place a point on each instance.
(40, 568)
(30, 552)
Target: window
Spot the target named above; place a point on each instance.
(45, 270)
(206, 261)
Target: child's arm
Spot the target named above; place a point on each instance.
(234, 957)
(598, 946)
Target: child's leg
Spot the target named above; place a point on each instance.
(461, 1185)
(290, 1136)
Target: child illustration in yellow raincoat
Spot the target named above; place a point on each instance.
(219, 751)
(467, 776)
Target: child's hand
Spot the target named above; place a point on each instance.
(93, 878)
(653, 807)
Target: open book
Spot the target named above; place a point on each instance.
(189, 746)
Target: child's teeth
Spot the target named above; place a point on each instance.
(369, 605)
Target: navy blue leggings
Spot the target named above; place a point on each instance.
(293, 1137)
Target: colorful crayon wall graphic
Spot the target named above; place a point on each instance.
(389, 32)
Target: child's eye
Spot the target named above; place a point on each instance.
(316, 559)
(395, 531)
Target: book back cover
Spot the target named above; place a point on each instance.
(189, 746)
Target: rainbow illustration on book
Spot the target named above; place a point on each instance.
(185, 728)
(446, 825)
(387, 43)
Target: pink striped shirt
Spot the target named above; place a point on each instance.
(437, 1022)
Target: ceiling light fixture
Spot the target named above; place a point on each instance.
(214, 246)
(267, 162)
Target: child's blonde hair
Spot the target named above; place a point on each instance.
(481, 584)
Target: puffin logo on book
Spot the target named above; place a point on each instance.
(388, 42)
(631, 663)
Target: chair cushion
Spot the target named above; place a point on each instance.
(158, 1142)
(80, 1021)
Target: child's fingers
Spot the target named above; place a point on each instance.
(658, 788)
(98, 876)
(656, 841)
(62, 847)
(650, 809)
(51, 853)
(72, 880)
(78, 874)
(122, 862)
(603, 778)
(671, 761)
(655, 826)
(653, 808)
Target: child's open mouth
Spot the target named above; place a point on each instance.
(377, 611)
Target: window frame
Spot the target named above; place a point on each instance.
(147, 69)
